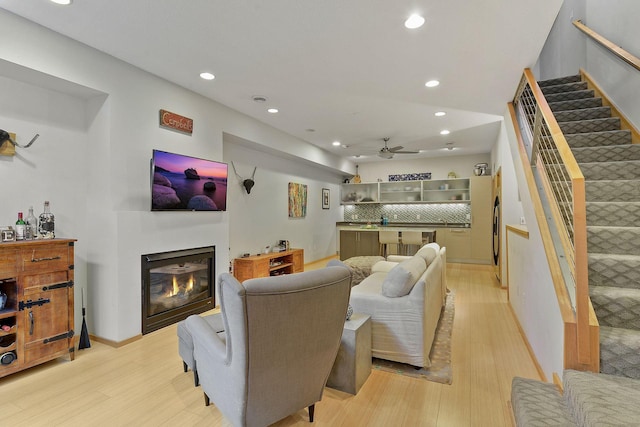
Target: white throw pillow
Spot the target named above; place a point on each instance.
(402, 277)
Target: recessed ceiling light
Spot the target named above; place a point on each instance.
(310, 130)
(440, 113)
(272, 110)
(335, 143)
(414, 21)
(444, 132)
(62, 2)
(259, 98)
(207, 76)
(432, 83)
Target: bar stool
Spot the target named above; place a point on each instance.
(412, 238)
(386, 238)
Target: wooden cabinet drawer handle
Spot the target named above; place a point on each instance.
(45, 259)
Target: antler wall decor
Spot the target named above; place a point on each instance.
(4, 136)
(246, 183)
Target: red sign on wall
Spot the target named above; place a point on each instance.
(176, 122)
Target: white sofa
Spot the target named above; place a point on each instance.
(404, 297)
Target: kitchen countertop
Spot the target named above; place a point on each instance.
(397, 226)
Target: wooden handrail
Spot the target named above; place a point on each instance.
(627, 57)
(577, 250)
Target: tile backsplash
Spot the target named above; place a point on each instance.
(450, 213)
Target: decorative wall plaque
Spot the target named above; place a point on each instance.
(175, 121)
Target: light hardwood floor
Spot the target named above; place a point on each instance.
(143, 384)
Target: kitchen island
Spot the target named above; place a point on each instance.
(361, 239)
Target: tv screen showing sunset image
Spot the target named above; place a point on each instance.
(182, 182)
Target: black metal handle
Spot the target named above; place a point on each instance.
(68, 284)
(31, 323)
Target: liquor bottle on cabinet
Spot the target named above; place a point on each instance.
(32, 225)
(46, 223)
(20, 227)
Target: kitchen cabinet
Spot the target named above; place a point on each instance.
(457, 241)
(481, 220)
(359, 193)
(358, 243)
(400, 191)
(38, 314)
(427, 191)
(445, 190)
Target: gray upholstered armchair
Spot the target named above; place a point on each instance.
(282, 337)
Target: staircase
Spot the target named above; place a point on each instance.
(611, 168)
(610, 164)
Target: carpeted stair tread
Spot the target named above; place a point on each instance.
(582, 114)
(612, 190)
(616, 307)
(613, 240)
(597, 139)
(620, 352)
(595, 171)
(601, 400)
(536, 403)
(565, 87)
(567, 96)
(560, 80)
(616, 214)
(593, 125)
(625, 170)
(612, 153)
(575, 104)
(620, 270)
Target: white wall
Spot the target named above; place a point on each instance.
(564, 52)
(98, 120)
(618, 22)
(567, 49)
(261, 217)
(531, 292)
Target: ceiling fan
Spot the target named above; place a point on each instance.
(388, 153)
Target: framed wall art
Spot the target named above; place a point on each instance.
(325, 198)
(297, 200)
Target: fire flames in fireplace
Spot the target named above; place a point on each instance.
(176, 287)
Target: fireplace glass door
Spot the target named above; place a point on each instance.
(175, 285)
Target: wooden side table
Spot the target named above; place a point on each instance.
(353, 363)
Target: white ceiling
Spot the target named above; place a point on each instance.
(348, 69)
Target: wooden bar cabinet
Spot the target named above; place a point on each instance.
(37, 314)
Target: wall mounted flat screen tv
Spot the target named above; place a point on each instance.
(184, 183)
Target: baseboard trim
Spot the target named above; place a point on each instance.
(115, 344)
(543, 377)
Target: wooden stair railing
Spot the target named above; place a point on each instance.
(627, 57)
(564, 188)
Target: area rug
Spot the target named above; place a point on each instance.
(440, 369)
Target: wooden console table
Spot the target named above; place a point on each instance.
(271, 264)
